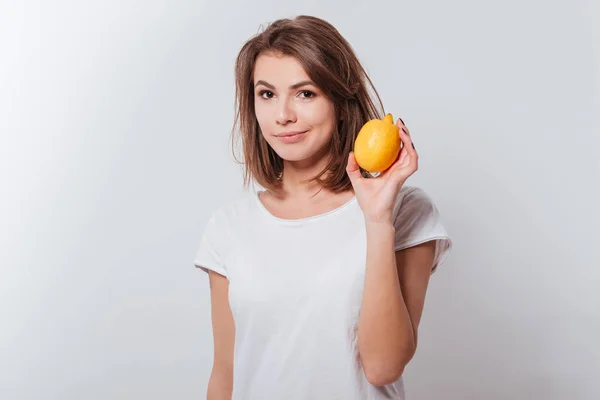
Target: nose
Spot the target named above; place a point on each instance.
(285, 112)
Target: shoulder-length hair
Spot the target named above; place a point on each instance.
(332, 65)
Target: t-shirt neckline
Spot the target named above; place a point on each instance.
(300, 220)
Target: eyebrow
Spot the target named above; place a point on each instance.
(294, 86)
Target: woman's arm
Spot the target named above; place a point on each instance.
(392, 305)
(220, 385)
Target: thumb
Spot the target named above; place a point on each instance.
(352, 168)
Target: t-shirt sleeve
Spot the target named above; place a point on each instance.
(418, 221)
(210, 252)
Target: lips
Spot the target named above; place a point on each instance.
(291, 137)
(284, 134)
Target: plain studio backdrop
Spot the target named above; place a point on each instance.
(115, 120)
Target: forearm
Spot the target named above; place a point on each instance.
(385, 334)
(220, 385)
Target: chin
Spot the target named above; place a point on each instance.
(293, 154)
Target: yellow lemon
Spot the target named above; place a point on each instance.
(378, 144)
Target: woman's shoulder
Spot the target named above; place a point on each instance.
(418, 220)
(238, 205)
(412, 196)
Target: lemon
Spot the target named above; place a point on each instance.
(378, 144)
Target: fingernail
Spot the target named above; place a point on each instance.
(413, 145)
(405, 131)
(401, 121)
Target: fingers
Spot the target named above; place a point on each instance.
(352, 168)
(352, 164)
(409, 147)
(402, 156)
(407, 142)
(408, 159)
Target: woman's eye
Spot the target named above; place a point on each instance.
(265, 94)
(307, 94)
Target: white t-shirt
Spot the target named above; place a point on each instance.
(295, 291)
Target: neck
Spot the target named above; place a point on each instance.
(296, 179)
(297, 175)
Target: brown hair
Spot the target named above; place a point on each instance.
(332, 65)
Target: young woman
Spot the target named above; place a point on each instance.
(318, 280)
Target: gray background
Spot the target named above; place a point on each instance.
(115, 118)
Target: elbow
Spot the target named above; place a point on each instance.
(386, 370)
(383, 375)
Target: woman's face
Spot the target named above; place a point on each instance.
(294, 116)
